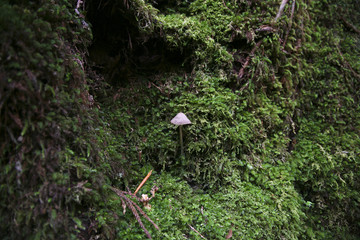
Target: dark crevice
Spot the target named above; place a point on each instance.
(171, 6)
(121, 52)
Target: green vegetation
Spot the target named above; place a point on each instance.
(88, 89)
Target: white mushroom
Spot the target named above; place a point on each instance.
(180, 119)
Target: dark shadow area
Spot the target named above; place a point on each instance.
(120, 51)
(171, 6)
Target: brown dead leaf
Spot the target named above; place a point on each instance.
(229, 235)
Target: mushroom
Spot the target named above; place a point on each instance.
(180, 119)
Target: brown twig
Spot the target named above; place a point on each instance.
(290, 23)
(146, 216)
(349, 25)
(130, 204)
(225, 5)
(143, 182)
(130, 43)
(151, 83)
(134, 208)
(247, 61)
(347, 64)
(192, 228)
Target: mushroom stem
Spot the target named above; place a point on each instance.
(179, 120)
(181, 141)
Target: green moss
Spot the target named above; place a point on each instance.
(272, 151)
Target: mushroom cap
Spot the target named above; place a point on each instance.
(180, 119)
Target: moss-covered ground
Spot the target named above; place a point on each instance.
(88, 89)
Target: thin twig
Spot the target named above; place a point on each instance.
(290, 23)
(225, 5)
(145, 216)
(347, 64)
(130, 43)
(79, 2)
(151, 83)
(134, 208)
(131, 206)
(143, 182)
(247, 61)
(78, 5)
(192, 228)
(281, 9)
(349, 25)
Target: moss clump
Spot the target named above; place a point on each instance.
(45, 116)
(257, 88)
(273, 148)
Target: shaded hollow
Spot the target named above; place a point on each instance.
(120, 51)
